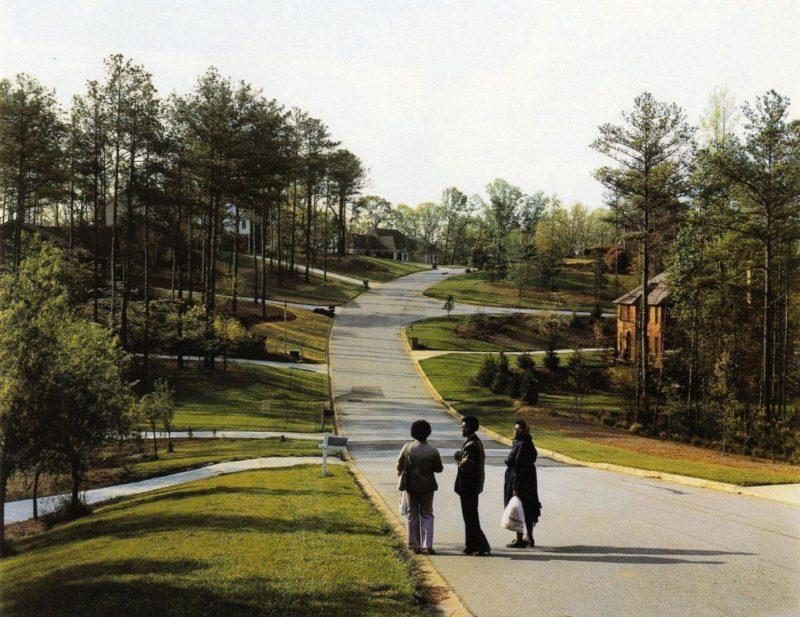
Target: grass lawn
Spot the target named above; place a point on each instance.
(373, 268)
(272, 542)
(305, 330)
(450, 375)
(574, 291)
(503, 332)
(120, 463)
(208, 400)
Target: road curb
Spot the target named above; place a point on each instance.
(450, 604)
(562, 458)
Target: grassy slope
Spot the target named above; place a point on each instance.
(115, 467)
(516, 334)
(373, 268)
(574, 286)
(451, 375)
(272, 542)
(307, 332)
(208, 400)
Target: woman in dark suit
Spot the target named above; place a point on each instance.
(521, 481)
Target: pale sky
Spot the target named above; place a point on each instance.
(432, 94)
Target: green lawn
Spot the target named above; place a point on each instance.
(208, 400)
(307, 331)
(574, 291)
(450, 375)
(501, 332)
(373, 268)
(272, 542)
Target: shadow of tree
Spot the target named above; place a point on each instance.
(165, 588)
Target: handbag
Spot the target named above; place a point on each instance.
(403, 503)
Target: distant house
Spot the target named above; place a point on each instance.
(386, 243)
(629, 322)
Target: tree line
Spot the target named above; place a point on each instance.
(719, 210)
(141, 180)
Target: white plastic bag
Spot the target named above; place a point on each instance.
(514, 516)
(403, 503)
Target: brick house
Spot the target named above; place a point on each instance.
(629, 322)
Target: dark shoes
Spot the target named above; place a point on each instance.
(428, 551)
(531, 543)
(479, 553)
(517, 544)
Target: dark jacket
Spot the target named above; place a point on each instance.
(521, 475)
(419, 461)
(471, 462)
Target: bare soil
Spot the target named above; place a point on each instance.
(594, 431)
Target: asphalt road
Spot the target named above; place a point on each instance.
(607, 543)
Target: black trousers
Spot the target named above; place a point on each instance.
(475, 539)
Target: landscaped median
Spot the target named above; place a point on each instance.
(452, 376)
(271, 542)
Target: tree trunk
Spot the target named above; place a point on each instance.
(235, 282)
(35, 500)
(75, 469)
(766, 363)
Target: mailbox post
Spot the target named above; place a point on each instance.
(331, 443)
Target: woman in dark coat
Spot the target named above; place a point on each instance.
(521, 481)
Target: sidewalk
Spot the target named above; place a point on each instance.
(16, 511)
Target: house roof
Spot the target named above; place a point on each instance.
(381, 240)
(657, 292)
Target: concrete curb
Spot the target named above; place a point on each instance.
(449, 605)
(642, 473)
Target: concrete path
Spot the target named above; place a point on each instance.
(312, 368)
(234, 435)
(608, 544)
(424, 354)
(16, 511)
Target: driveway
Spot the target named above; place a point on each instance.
(607, 544)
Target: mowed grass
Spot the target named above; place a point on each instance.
(373, 268)
(500, 332)
(306, 331)
(292, 286)
(574, 291)
(213, 399)
(451, 376)
(120, 464)
(263, 543)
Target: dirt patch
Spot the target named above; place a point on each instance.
(607, 436)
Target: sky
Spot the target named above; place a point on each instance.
(433, 94)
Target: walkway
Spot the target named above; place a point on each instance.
(17, 511)
(608, 544)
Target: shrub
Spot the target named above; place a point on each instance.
(500, 383)
(597, 312)
(468, 270)
(514, 387)
(662, 435)
(551, 359)
(697, 441)
(635, 428)
(621, 424)
(487, 372)
(526, 362)
(530, 388)
(608, 420)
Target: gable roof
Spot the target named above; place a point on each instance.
(657, 292)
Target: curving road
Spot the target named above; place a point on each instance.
(607, 544)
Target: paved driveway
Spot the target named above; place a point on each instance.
(607, 543)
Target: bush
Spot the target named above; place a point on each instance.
(697, 441)
(551, 359)
(500, 383)
(64, 511)
(621, 424)
(526, 362)
(530, 388)
(608, 420)
(468, 270)
(662, 435)
(514, 387)
(597, 312)
(487, 372)
(635, 428)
